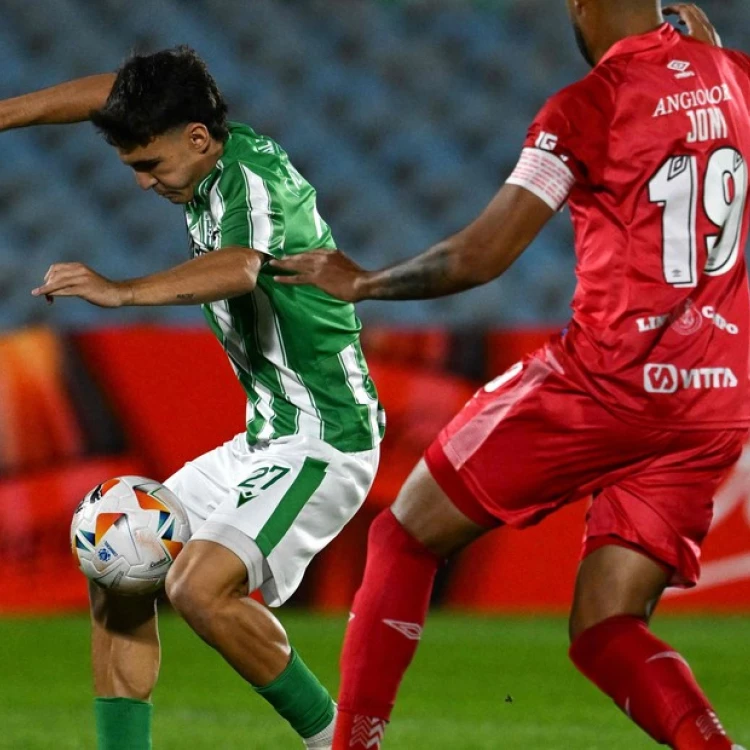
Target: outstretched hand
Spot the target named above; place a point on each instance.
(78, 280)
(329, 270)
(697, 22)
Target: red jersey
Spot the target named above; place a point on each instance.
(650, 150)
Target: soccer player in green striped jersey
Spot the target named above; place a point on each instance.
(262, 505)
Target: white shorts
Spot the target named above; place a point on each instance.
(275, 504)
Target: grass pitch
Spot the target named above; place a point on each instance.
(476, 684)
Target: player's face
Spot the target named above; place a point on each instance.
(173, 164)
(578, 21)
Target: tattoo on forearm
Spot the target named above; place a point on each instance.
(431, 274)
(185, 297)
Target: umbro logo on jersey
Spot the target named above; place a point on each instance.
(410, 629)
(681, 69)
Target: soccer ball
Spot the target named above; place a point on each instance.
(127, 532)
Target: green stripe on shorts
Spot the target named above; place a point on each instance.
(303, 487)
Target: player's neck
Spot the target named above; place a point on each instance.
(208, 162)
(622, 26)
(211, 157)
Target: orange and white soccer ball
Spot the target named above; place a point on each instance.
(127, 532)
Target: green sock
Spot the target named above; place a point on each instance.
(122, 724)
(297, 695)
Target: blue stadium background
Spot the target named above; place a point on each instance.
(405, 116)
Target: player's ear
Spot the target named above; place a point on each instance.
(584, 6)
(198, 136)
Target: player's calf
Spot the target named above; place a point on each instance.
(208, 586)
(125, 661)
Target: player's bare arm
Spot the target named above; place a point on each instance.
(67, 102)
(230, 272)
(696, 21)
(472, 257)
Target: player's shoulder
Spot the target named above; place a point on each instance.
(740, 59)
(703, 53)
(590, 97)
(247, 151)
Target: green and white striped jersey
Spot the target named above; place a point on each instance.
(295, 349)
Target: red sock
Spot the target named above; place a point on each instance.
(649, 681)
(700, 730)
(384, 630)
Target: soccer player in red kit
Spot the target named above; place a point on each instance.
(641, 403)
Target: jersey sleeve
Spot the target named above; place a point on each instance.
(558, 150)
(250, 215)
(741, 59)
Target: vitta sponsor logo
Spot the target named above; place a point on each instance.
(658, 378)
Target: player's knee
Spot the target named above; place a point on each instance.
(199, 601)
(596, 606)
(188, 594)
(615, 580)
(584, 617)
(388, 537)
(428, 515)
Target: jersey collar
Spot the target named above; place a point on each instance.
(663, 36)
(201, 192)
(205, 185)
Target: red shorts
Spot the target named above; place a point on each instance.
(532, 441)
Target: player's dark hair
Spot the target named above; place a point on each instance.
(154, 94)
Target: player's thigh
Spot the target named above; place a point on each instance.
(431, 517)
(286, 502)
